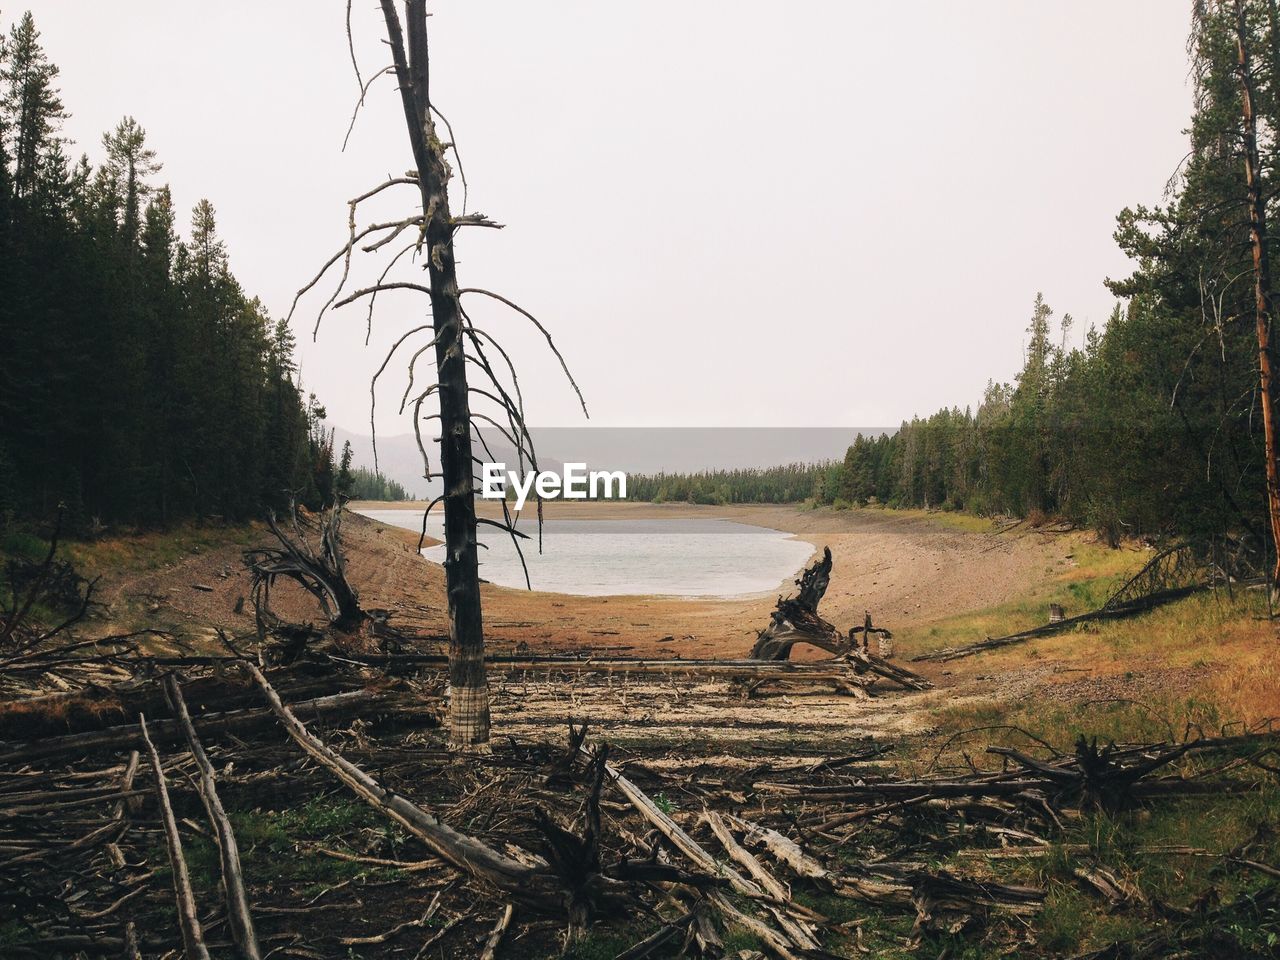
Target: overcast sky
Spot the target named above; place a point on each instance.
(729, 213)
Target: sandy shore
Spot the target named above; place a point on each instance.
(906, 570)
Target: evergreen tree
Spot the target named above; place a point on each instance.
(140, 383)
(31, 104)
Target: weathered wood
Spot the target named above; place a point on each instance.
(796, 620)
(233, 721)
(322, 573)
(468, 683)
(784, 850)
(528, 884)
(1117, 612)
(495, 936)
(188, 918)
(678, 837)
(701, 858)
(864, 662)
(740, 855)
(658, 939)
(239, 917)
(776, 942)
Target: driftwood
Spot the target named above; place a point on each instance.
(1118, 612)
(937, 896)
(660, 938)
(678, 837)
(241, 922)
(532, 885)
(780, 943)
(1172, 574)
(864, 663)
(495, 936)
(321, 572)
(188, 918)
(796, 620)
(768, 882)
(247, 720)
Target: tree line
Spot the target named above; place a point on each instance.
(1152, 424)
(140, 383)
(364, 484)
(783, 484)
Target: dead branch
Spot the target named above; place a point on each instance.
(322, 573)
(495, 936)
(241, 921)
(350, 703)
(546, 333)
(528, 884)
(188, 919)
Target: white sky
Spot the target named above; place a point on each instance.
(729, 213)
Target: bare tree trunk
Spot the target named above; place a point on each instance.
(469, 692)
(1261, 277)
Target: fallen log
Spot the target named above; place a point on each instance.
(658, 939)
(865, 662)
(928, 892)
(241, 922)
(730, 669)
(677, 836)
(800, 939)
(350, 703)
(740, 855)
(188, 918)
(533, 885)
(775, 941)
(1116, 612)
(932, 789)
(106, 705)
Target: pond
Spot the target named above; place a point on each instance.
(692, 557)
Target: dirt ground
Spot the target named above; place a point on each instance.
(905, 570)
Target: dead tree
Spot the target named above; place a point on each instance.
(321, 572)
(1263, 305)
(51, 583)
(456, 342)
(795, 619)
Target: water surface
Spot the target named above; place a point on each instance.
(688, 557)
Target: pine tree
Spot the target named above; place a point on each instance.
(31, 104)
(129, 163)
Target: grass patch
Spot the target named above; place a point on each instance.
(605, 945)
(157, 549)
(1089, 575)
(739, 938)
(271, 845)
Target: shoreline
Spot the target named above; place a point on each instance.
(910, 571)
(904, 567)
